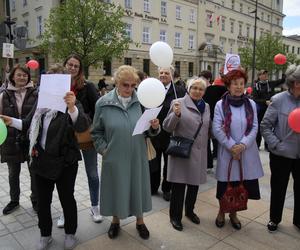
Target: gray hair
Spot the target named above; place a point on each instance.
(170, 69)
(292, 74)
(193, 80)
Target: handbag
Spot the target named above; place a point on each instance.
(84, 139)
(151, 153)
(180, 146)
(235, 198)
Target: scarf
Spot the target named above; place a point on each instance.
(228, 100)
(200, 104)
(124, 100)
(36, 125)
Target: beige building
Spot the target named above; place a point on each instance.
(200, 32)
(292, 44)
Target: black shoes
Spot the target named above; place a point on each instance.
(176, 224)
(272, 227)
(113, 230)
(235, 222)
(10, 207)
(143, 231)
(220, 223)
(167, 196)
(193, 218)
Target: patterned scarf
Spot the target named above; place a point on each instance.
(228, 100)
(200, 105)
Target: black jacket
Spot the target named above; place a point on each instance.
(162, 140)
(61, 149)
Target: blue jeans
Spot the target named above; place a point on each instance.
(91, 168)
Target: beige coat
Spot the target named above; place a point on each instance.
(192, 170)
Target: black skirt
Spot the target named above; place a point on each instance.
(252, 186)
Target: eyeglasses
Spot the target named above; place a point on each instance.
(71, 65)
(127, 85)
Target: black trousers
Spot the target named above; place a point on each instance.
(156, 175)
(14, 169)
(177, 199)
(281, 168)
(65, 188)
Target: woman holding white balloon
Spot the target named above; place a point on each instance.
(125, 181)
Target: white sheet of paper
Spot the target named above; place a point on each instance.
(143, 123)
(53, 88)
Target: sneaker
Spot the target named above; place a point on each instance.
(272, 227)
(44, 242)
(61, 221)
(70, 241)
(97, 218)
(10, 207)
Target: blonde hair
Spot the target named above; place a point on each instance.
(193, 80)
(56, 68)
(125, 72)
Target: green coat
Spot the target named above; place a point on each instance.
(125, 180)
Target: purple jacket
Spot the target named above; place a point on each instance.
(252, 168)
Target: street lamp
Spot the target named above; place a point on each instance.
(254, 43)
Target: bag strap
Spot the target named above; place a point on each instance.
(199, 127)
(230, 167)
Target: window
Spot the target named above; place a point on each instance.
(24, 3)
(163, 8)
(248, 31)
(231, 48)
(269, 18)
(39, 25)
(177, 39)
(178, 12)
(298, 52)
(146, 66)
(128, 30)
(128, 61)
(240, 29)
(232, 4)
(287, 48)
(278, 21)
(232, 27)
(147, 5)
(191, 41)
(13, 5)
(293, 49)
(26, 24)
(128, 4)
(191, 69)
(223, 24)
(241, 7)
(192, 16)
(107, 68)
(223, 3)
(222, 43)
(163, 36)
(177, 67)
(146, 35)
(262, 16)
(209, 18)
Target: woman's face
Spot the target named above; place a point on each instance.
(20, 78)
(296, 89)
(237, 87)
(196, 91)
(73, 66)
(126, 86)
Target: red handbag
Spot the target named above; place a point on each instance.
(235, 198)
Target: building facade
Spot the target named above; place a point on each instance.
(292, 45)
(200, 32)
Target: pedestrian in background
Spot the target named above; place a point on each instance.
(284, 148)
(186, 115)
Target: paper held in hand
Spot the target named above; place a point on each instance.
(53, 88)
(143, 123)
(8, 50)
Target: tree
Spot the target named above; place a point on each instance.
(92, 29)
(266, 48)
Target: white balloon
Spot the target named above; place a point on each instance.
(151, 93)
(161, 54)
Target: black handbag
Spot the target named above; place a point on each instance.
(181, 146)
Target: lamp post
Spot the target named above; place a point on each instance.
(254, 43)
(9, 23)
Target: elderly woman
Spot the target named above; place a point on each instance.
(284, 147)
(235, 128)
(125, 180)
(16, 101)
(185, 116)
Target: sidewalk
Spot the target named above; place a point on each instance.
(19, 230)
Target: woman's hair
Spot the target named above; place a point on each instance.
(292, 74)
(233, 75)
(12, 73)
(79, 79)
(124, 72)
(57, 68)
(193, 80)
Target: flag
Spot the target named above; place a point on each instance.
(218, 19)
(211, 18)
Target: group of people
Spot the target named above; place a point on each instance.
(128, 176)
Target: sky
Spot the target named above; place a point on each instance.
(291, 23)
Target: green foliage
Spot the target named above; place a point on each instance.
(266, 48)
(92, 29)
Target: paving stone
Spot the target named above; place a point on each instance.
(14, 227)
(8, 242)
(6, 219)
(24, 218)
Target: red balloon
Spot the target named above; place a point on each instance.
(280, 59)
(294, 120)
(249, 90)
(33, 64)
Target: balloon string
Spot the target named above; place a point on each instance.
(172, 82)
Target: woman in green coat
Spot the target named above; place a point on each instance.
(125, 181)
